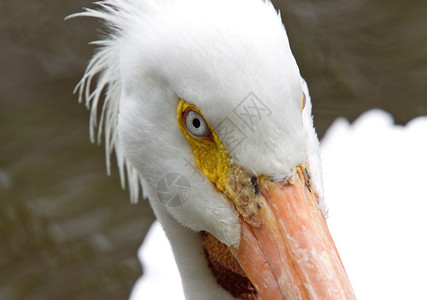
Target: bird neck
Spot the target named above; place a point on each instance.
(187, 246)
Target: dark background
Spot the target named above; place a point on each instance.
(67, 231)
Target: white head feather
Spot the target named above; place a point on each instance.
(212, 54)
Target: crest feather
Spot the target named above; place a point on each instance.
(100, 86)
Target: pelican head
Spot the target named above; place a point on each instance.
(206, 96)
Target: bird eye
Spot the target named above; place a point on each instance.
(195, 123)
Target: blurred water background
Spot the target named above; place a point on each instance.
(67, 231)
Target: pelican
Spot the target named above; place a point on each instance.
(205, 109)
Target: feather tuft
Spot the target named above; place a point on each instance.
(100, 87)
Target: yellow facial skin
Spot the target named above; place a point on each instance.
(211, 155)
(213, 159)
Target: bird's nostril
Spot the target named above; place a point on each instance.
(255, 186)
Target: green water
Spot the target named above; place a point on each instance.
(67, 231)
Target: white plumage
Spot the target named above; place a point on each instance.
(215, 52)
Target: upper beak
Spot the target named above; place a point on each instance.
(290, 254)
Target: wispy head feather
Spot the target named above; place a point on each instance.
(103, 69)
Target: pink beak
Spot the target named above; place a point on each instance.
(291, 255)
